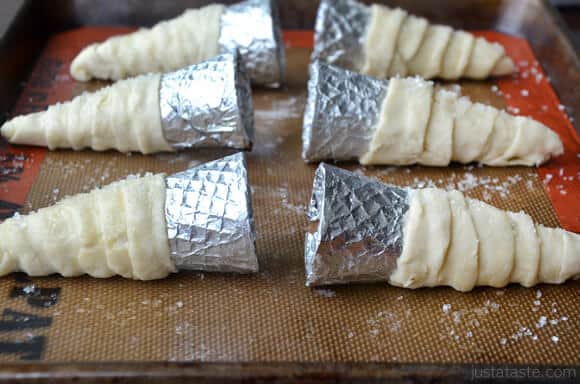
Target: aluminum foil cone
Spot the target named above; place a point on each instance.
(208, 105)
(209, 217)
(253, 28)
(342, 112)
(339, 33)
(355, 228)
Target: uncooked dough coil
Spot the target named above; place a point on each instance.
(461, 242)
(117, 230)
(418, 124)
(124, 116)
(397, 43)
(188, 39)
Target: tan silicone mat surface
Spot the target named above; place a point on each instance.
(272, 316)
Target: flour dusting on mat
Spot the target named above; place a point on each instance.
(464, 179)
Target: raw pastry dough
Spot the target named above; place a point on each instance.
(397, 43)
(170, 45)
(433, 127)
(402, 125)
(124, 116)
(117, 230)
(461, 242)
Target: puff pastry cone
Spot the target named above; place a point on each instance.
(383, 42)
(364, 230)
(140, 228)
(408, 121)
(207, 104)
(251, 26)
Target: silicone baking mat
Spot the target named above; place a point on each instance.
(272, 316)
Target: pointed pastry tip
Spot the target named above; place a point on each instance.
(505, 66)
(7, 130)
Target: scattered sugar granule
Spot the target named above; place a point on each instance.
(29, 289)
(542, 321)
(525, 92)
(446, 308)
(503, 341)
(555, 339)
(537, 303)
(530, 184)
(179, 304)
(538, 294)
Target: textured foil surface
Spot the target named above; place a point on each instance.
(340, 31)
(209, 217)
(208, 105)
(355, 231)
(342, 112)
(253, 28)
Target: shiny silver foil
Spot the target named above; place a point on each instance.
(342, 112)
(355, 228)
(339, 33)
(210, 224)
(253, 28)
(208, 105)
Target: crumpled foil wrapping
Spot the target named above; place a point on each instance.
(355, 231)
(208, 105)
(253, 28)
(340, 31)
(342, 112)
(210, 224)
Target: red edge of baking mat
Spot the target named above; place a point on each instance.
(527, 93)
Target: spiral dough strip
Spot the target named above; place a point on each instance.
(418, 124)
(397, 43)
(170, 45)
(124, 116)
(460, 242)
(117, 230)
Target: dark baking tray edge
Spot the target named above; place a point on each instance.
(321, 372)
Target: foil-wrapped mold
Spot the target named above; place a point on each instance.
(355, 228)
(253, 28)
(208, 105)
(209, 217)
(342, 112)
(340, 31)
